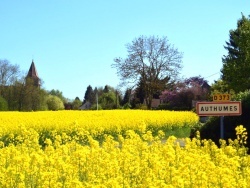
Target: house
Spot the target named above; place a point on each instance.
(155, 103)
(85, 106)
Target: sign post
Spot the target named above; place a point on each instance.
(221, 106)
(222, 127)
(232, 108)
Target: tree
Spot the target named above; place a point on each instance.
(198, 86)
(140, 93)
(8, 74)
(54, 103)
(58, 94)
(153, 60)
(14, 95)
(177, 98)
(183, 93)
(3, 104)
(236, 64)
(109, 97)
(106, 89)
(220, 86)
(89, 95)
(31, 96)
(76, 103)
(126, 98)
(108, 100)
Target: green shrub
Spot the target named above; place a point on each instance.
(141, 106)
(54, 103)
(175, 108)
(211, 128)
(127, 106)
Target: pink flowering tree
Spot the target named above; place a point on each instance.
(182, 94)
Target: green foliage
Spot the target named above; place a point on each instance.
(211, 129)
(76, 103)
(220, 86)
(236, 65)
(126, 98)
(3, 104)
(243, 96)
(141, 106)
(175, 108)
(31, 97)
(107, 100)
(94, 107)
(54, 103)
(106, 89)
(42, 98)
(127, 106)
(90, 95)
(108, 97)
(179, 132)
(58, 94)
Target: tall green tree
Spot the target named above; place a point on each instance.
(126, 97)
(152, 59)
(89, 95)
(106, 89)
(236, 64)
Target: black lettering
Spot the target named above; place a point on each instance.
(225, 108)
(235, 108)
(220, 98)
(202, 108)
(206, 108)
(231, 108)
(211, 108)
(220, 108)
(215, 108)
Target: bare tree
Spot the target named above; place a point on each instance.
(8, 74)
(152, 60)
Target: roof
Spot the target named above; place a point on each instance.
(32, 71)
(85, 106)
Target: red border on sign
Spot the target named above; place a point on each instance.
(221, 114)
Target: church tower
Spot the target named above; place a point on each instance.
(32, 74)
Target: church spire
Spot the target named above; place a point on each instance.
(33, 74)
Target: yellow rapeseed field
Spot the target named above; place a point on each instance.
(136, 158)
(94, 122)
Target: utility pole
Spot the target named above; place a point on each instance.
(96, 100)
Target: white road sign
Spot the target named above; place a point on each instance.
(232, 108)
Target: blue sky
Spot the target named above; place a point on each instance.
(73, 43)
